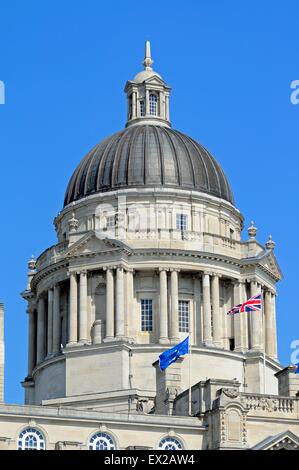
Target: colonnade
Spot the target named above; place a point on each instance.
(253, 331)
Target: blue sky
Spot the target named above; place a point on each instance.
(64, 65)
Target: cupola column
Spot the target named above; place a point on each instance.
(31, 339)
(216, 311)
(83, 308)
(207, 312)
(56, 320)
(174, 323)
(256, 321)
(50, 322)
(120, 312)
(109, 304)
(40, 342)
(73, 310)
(134, 107)
(163, 334)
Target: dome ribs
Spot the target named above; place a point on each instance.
(148, 155)
(159, 154)
(184, 149)
(191, 145)
(102, 170)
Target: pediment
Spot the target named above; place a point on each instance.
(269, 263)
(154, 80)
(284, 441)
(90, 243)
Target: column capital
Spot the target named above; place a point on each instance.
(207, 273)
(163, 269)
(213, 274)
(177, 270)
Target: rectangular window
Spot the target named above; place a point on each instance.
(110, 222)
(181, 222)
(142, 108)
(146, 315)
(183, 316)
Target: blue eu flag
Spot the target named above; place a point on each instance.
(171, 355)
(297, 368)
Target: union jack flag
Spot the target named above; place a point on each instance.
(252, 304)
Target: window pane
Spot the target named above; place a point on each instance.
(183, 316)
(153, 105)
(181, 222)
(146, 315)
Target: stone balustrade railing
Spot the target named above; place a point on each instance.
(51, 255)
(269, 403)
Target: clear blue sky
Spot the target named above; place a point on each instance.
(65, 63)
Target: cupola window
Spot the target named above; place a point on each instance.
(153, 103)
(142, 108)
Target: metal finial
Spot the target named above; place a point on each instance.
(148, 62)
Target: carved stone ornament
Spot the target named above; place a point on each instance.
(231, 392)
(73, 223)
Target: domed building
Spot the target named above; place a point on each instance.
(149, 252)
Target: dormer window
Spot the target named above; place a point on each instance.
(142, 108)
(153, 104)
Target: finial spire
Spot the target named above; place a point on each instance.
(148, 62)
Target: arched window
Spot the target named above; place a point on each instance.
(170, 443)
(153, 102)
(31, 439)
(101, 441)
(142, 108)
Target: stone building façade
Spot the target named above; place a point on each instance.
(149, 251)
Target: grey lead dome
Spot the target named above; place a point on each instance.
(148, 156)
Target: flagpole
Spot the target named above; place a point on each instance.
(190, 394)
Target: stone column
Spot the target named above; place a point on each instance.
(134, 104)
(207, 319)
(244, 318)
(270, 346)
(256, 323)
(163, 324)
(216, 311)
(50, 322)
(197, 314)
(167, 108)
(174, 321)
(31, 339)
(40, 347)
(273, 296)
(56, 320)
(83, 308)
(109, 304)
(147, 110)
(238, 318)
(120, 303)
(129, 303)
(161, 112)
(73, 310)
